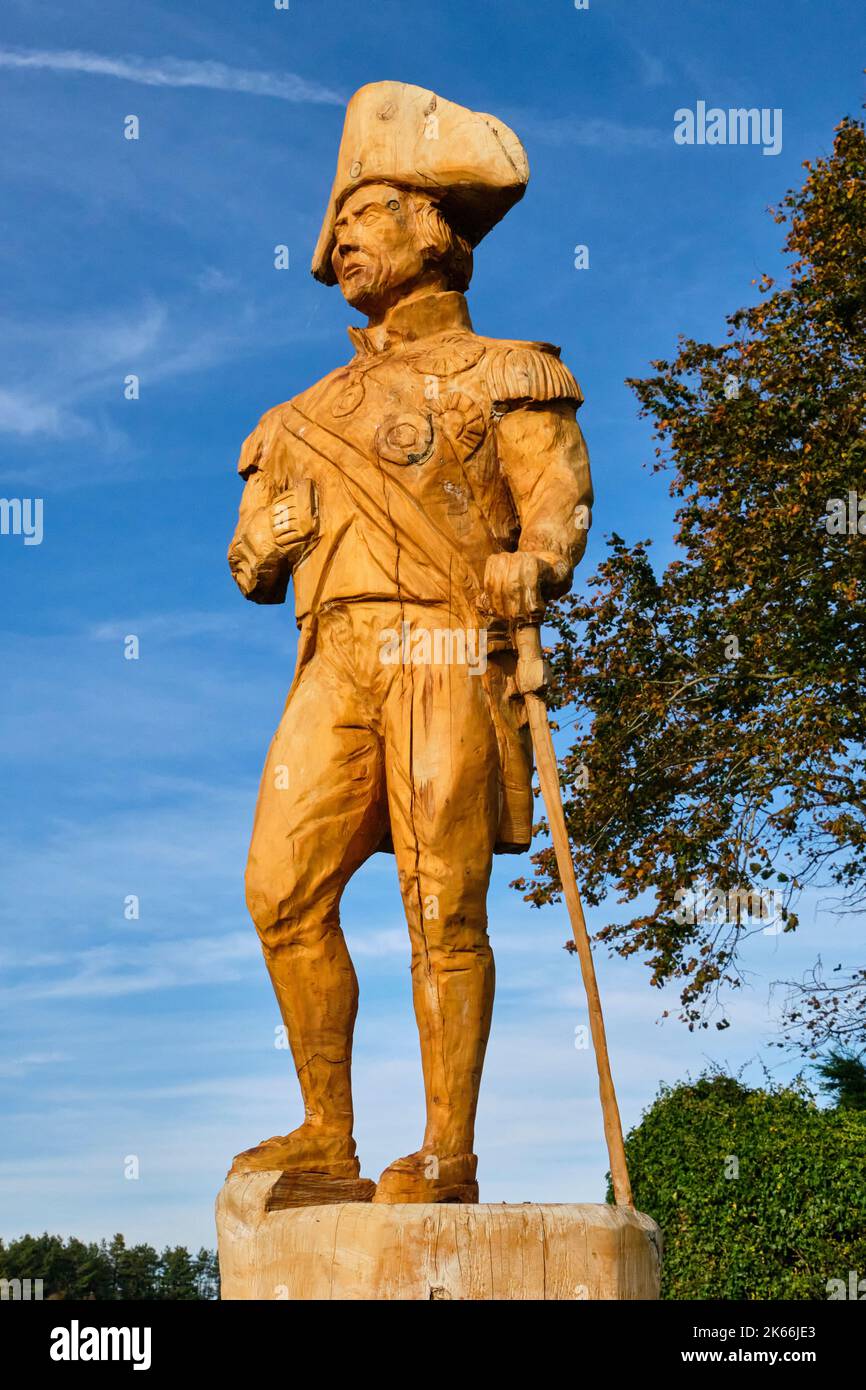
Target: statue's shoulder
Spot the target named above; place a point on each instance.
(262, 445)
(311, 394)
(258, 445)
(511, 370)
(517, 371)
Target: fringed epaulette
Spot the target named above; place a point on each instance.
(529, 372)
(251, 453)
(259, 449)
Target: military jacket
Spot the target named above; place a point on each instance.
(479, 431)
(431, 450)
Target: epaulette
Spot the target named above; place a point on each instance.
(256, 448)
(530, 372)
(251, 453)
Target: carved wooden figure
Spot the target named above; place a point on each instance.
(425, 500)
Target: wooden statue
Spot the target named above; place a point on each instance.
(426, 500)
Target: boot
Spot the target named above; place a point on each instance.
(310, 1148)
(424, 1177)
(317, 1161)
(453, 995)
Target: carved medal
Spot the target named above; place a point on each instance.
(349, 398)
(405, 438)
(461, 419)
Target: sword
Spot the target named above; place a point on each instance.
(532, 677)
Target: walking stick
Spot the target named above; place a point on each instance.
(531, 680)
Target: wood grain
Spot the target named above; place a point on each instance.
(358, 1251)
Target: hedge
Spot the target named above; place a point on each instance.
(760, 1194)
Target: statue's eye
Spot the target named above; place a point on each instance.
(393, 205)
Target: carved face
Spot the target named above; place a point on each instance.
(377, 254)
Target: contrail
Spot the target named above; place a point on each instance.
(174, 72)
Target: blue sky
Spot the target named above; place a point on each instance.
(155, 1037)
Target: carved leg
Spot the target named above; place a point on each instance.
(444, 802)
(320, 815)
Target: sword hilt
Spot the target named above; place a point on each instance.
(533, 669)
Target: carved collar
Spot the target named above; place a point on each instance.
(413, 319)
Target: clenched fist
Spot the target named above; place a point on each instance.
(294, 519)
(514, 583)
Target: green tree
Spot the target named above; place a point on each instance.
(177, 1275)
(73, 1269)
(207, 1274)
(70, 1269)
(717, 708)
(844, 1078)
(759, 1193)
(136, 1270)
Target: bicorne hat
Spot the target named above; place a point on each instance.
(405, 135)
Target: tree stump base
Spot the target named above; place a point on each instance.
(360, 1251)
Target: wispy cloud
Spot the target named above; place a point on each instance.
(26, 413)
(21, 1066)
(212, 280)
(111, 972)
(65, 366)
(652, 70)
(60, 364)
(169, 627)
(174, 72)
(592, 133)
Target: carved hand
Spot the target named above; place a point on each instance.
(294, 516)
(514, 583)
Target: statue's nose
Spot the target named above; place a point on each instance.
(346, 244)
